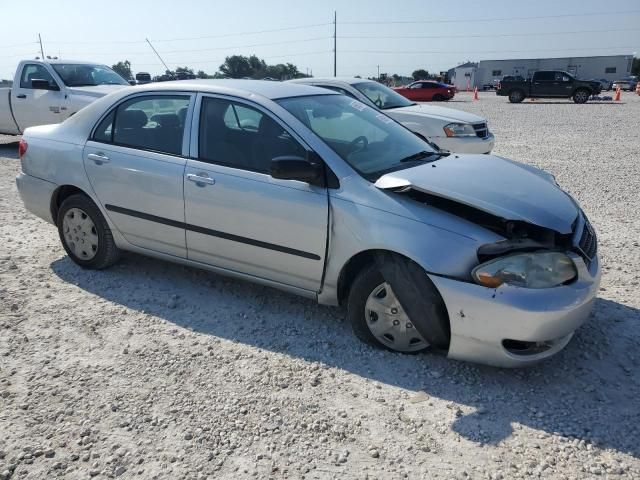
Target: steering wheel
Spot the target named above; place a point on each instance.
(361, 139)
(378, 102)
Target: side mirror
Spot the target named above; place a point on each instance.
(39, 84)
(296, 168)
(132, 82)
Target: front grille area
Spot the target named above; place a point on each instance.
(481, 130)
(588, 243)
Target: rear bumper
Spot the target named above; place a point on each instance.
(474, 145)
(482, 319)
(36, 195)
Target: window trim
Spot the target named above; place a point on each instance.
(26, 65)
(186, 134)
(195, 130)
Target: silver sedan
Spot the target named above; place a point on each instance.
(319, 194)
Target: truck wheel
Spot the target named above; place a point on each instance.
(581, 96)
(85, 234)
(378, 317)
(516, 96)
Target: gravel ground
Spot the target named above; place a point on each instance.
(152, 370)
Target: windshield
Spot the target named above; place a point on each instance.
(369, 141)
(75, 75)
(381, 96)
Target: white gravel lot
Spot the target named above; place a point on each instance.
(152, 370)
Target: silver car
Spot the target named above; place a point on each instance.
(319, 194)
(449, 129)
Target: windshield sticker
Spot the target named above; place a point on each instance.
(358, 105)
(383, 118)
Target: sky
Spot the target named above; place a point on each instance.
(394, 36)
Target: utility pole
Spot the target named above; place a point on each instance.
(156, 52)
(335, 43)
(41, 49)
(378, 72)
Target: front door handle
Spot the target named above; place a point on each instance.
(22, 95)
(98, 158)
(200, 179)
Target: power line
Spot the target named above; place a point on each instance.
(401, 37)
(465, 52)
(475, 20)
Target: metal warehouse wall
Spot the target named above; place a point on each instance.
(611, 67)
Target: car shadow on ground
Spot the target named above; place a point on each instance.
(9, 150)
(587, 392)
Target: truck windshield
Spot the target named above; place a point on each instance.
(78, 75)
(369, 141)
(382, 97)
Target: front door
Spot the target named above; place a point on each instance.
(36, 106)
(135, 162)
(240, 218)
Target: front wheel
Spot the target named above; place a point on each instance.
(85, 234)
(516, 96)
(581, 96)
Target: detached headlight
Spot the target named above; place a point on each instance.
(528, 270)
(459, 130)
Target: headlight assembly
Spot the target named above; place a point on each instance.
(459, 130)
(528, 270)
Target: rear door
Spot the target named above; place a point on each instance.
(543, 84)
(237, 216)
(33, 106)
(135, 161)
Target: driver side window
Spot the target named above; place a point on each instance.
(35, 72)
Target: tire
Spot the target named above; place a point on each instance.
(581, 95)
(438, 98)
(85, 234)
(370, 290)
(516, 96)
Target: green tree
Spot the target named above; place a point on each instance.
(184, 70)
(236, 66)
(420, 74)
(202, 74)
(123, 69)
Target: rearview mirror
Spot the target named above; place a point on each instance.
(40, 84)
(296, 168)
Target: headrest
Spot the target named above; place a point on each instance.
(131, 119)
(182, 114)
(166, 119)
(269, 127)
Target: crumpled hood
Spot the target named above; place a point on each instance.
(498, 186)
(448, 115)
(96, 91)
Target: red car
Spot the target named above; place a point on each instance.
(427, 91)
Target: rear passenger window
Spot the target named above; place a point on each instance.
(153, 123)
(242, 137)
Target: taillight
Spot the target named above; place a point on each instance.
(22, 147)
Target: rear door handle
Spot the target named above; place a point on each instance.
(200, 179)
(22, 95)
(98, 158)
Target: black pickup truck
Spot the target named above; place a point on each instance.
(548, 84)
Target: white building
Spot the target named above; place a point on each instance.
(609, 67)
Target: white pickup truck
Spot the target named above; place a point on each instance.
(49, 91)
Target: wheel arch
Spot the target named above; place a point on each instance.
(60, 194)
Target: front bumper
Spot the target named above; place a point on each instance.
(475, 145)
(482, 318)
(36, 195)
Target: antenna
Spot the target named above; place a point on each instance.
(335, 44)
(156, 52)
(41, 49)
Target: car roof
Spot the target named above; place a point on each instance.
(268, 89)
(57, 61)
(331, 80)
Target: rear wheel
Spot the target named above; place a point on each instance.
(438, 98)
(516, 96)
(85, 234)
(581, 96)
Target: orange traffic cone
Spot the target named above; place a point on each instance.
(475, 93)
(638, 88)
(616, 98)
